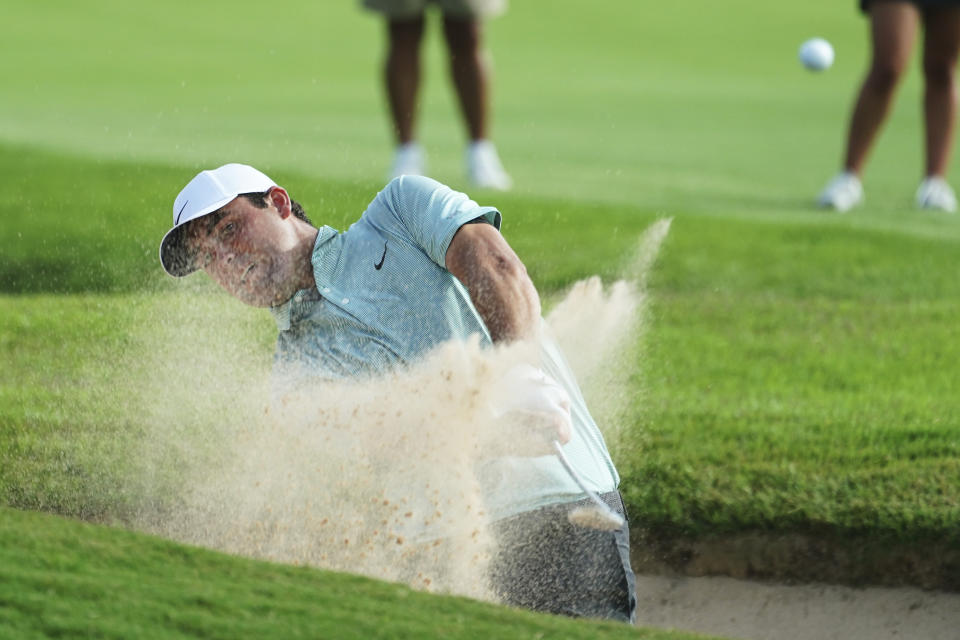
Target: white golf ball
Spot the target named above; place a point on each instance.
(816, 54)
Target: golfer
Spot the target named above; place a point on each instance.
(423, 265)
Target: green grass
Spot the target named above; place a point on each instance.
(776, 394)
(798, 371)
(65, 579)
(786, 397)
(692, 107)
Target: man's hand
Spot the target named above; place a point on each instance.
(533, 411)
(497, 281)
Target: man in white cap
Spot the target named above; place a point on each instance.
(423, 265)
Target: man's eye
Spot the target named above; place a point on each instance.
(227, 230)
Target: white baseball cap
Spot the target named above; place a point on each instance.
(206, 193)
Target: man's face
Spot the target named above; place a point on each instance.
(249, 251)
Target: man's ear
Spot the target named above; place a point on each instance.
(278, 197)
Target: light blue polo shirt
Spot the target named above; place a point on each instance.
(384, 298)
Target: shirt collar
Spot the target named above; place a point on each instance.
(324, 260)
(326, 256)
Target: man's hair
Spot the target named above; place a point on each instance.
(259, 200)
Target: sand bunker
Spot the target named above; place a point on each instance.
(759, 611)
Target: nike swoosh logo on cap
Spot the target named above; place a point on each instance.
(177, 221)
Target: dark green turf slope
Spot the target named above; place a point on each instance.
(64, 579)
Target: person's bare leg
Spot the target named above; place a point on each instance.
(940, 49)
(469, 72)
(402, 74)
(470, 75)
(893, 28)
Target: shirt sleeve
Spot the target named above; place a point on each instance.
(432, 212)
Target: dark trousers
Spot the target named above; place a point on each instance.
(544, 563)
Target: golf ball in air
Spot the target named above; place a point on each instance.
(816, 54)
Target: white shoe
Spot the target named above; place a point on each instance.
(935, 193)
(408, 159)
(484, 169)
(842, 193)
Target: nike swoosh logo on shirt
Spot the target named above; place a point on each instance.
(380, 264)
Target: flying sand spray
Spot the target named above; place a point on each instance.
(378, 477)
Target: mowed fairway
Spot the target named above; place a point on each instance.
(799, 369)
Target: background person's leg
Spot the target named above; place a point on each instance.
(402, 79)
(470, 75)
(469, 71)
(893, 27)
(402, 74)
(940, 48)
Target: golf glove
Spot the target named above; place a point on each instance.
(527, 398)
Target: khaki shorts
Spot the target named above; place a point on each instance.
(410, 8)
